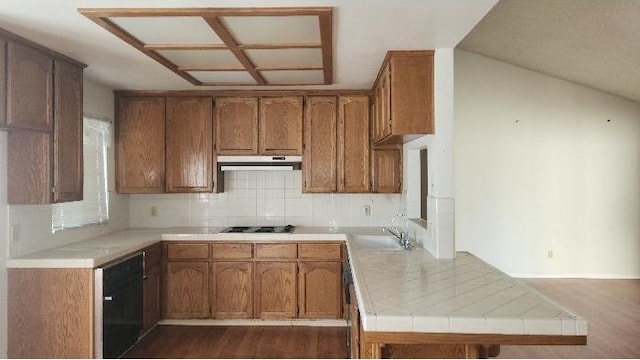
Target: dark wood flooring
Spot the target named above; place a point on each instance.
(611, 307)
(246, 342)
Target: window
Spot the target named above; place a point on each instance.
(424, 184)
(94, 208)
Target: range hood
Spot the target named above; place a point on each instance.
(268, 163)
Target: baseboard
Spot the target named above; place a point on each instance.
(256, 322)
(576, 276)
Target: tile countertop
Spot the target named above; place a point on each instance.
(97, 251)
(396, 291)
(415, 292)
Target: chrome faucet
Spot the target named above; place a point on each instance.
(403, 236)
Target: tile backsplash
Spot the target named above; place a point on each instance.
(263, 198)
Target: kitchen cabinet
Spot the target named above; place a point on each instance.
(186, 281)
(275, 290)
(353, 145)
(46, 166)
(280, 126)
(232, 281)
(403, 93)
(232, 289)
(140, 144)
(354, 330)
(236, 126)
(320, 281)
(29, 88)
(152, 285)
(319, 162)
(387, 170)
(189, 144)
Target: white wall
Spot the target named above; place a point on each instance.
(34, 221)
(263, 198)
(545, 165)
(437, 235)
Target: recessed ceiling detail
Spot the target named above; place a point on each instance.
(228, 46)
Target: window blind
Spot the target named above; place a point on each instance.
(94, 208)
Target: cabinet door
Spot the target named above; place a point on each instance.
(319, 163)
(275, 290)
(232, 290)
(353, 144)
(387, 171)
(354, 332)
(29, 88)
(189, 145)
(140, 136)
(236, 126)
(3, 83)
(384, 122)
(281, 126)
(151, 298)
(320, 290)
(186, 291)
(28, 167)
(67, 133)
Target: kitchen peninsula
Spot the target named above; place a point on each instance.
(410, 304)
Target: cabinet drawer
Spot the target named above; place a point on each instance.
(152, 256)
(232, 251)
(187, 251)
(320, 251)
(276, 251)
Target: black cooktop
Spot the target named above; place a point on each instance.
(259, 229)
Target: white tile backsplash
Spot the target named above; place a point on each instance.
(263, 198)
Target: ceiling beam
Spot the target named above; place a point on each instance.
(227, 38)
(326, 39)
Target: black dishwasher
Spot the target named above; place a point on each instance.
(122, 306)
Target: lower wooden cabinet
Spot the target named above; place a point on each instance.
(232, 290)
(354, 330)
(275, 290)
(320, 290)
(186, 292)
(152, 286)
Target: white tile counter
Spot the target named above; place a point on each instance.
(414, 292)
(396, 291)
(101, 250)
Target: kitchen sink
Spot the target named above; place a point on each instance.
(376, 242)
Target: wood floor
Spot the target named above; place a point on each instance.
(197, 342)
(611, 307)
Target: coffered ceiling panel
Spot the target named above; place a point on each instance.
(274, 29)
(222, 77)
(270, 58)
(230, 46)
(168, 30)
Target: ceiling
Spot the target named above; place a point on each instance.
(363, 31)
(230, 46)
(590, 42)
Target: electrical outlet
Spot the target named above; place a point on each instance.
(154, 211)
(367, 210)
(550, 254)
(15, 233)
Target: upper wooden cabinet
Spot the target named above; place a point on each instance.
(140, 144)
(404, 97)
(387, 170)
(29, 88)
(336, 144)
(236, 126)
(320, 139)
(68, 172)
(189, 144)
(280, 126)
(43, 111)
(353, 144)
